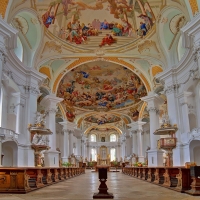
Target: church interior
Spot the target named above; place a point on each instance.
(92, 84)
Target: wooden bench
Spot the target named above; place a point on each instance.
(176, 178)
(23, 180)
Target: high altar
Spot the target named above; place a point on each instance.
(103, 159)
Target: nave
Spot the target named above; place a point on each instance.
(83, 187)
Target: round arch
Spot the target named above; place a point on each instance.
(115, 60)
(107, 126)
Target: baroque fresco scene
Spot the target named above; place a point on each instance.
(100, 86)
(102, 118)
(98, 23)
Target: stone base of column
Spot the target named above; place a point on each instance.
(178, 156)
(65, 159)
(141, 159)
(155, 158)
(51, 158)
(25, 157)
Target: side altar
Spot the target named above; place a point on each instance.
(39, 137)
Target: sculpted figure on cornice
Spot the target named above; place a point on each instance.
(171, 89)
(2, 56)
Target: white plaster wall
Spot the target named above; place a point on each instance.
(10, 151)
(4, 108)
(25, 157)
(196, 154)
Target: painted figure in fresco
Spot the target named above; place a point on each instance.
(98, 24)
(142, 31)
(116, 30)
(108, 39)
(147, 21)
(104, 25)
(66, 4)
(70, 115)
(48, 18)
(113, 89)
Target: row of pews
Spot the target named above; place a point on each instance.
(175, 178)
(23, 180)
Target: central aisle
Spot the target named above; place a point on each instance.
(82, 187)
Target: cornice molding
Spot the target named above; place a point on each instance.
(2, 56)
(190, 35)
(9, 34)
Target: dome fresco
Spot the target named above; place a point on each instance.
(102, 118)
(100, 85)
(93, 23)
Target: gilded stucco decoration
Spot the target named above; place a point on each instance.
(3, 7)
(194, 6)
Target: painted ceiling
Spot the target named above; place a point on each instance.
(102, 118)
(93, 23)
(62, 38)
(101, 86)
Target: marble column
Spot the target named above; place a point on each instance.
(155, 156)
(137, 139)
(68, 128)
(51, 156)
(19, 105)
(2, 63)
(78, 146)
(1, 138)
(174, 110)
(118, 152)
(183, 99)
(134, 142)
(70, 142)
(82, 149)
(140, 145)
(123, 148)
(86, 150)
(65, 142)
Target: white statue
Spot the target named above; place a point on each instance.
(40, 118)
(165, 120)
(40, 140)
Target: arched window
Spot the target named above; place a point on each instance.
(113, 138)
(94, 154)
(93, 138)
(113, 154)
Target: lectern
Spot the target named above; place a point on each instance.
(103, 193)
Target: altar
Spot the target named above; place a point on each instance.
(103, 158)
(102, 166)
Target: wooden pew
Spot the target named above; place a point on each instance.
(14, 180)
(23, 180)
(176, 178)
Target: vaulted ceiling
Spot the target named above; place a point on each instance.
(100, 56)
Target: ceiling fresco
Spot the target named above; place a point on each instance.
(94, 23)
(102, 118)
(100, 86)
(133, 33)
